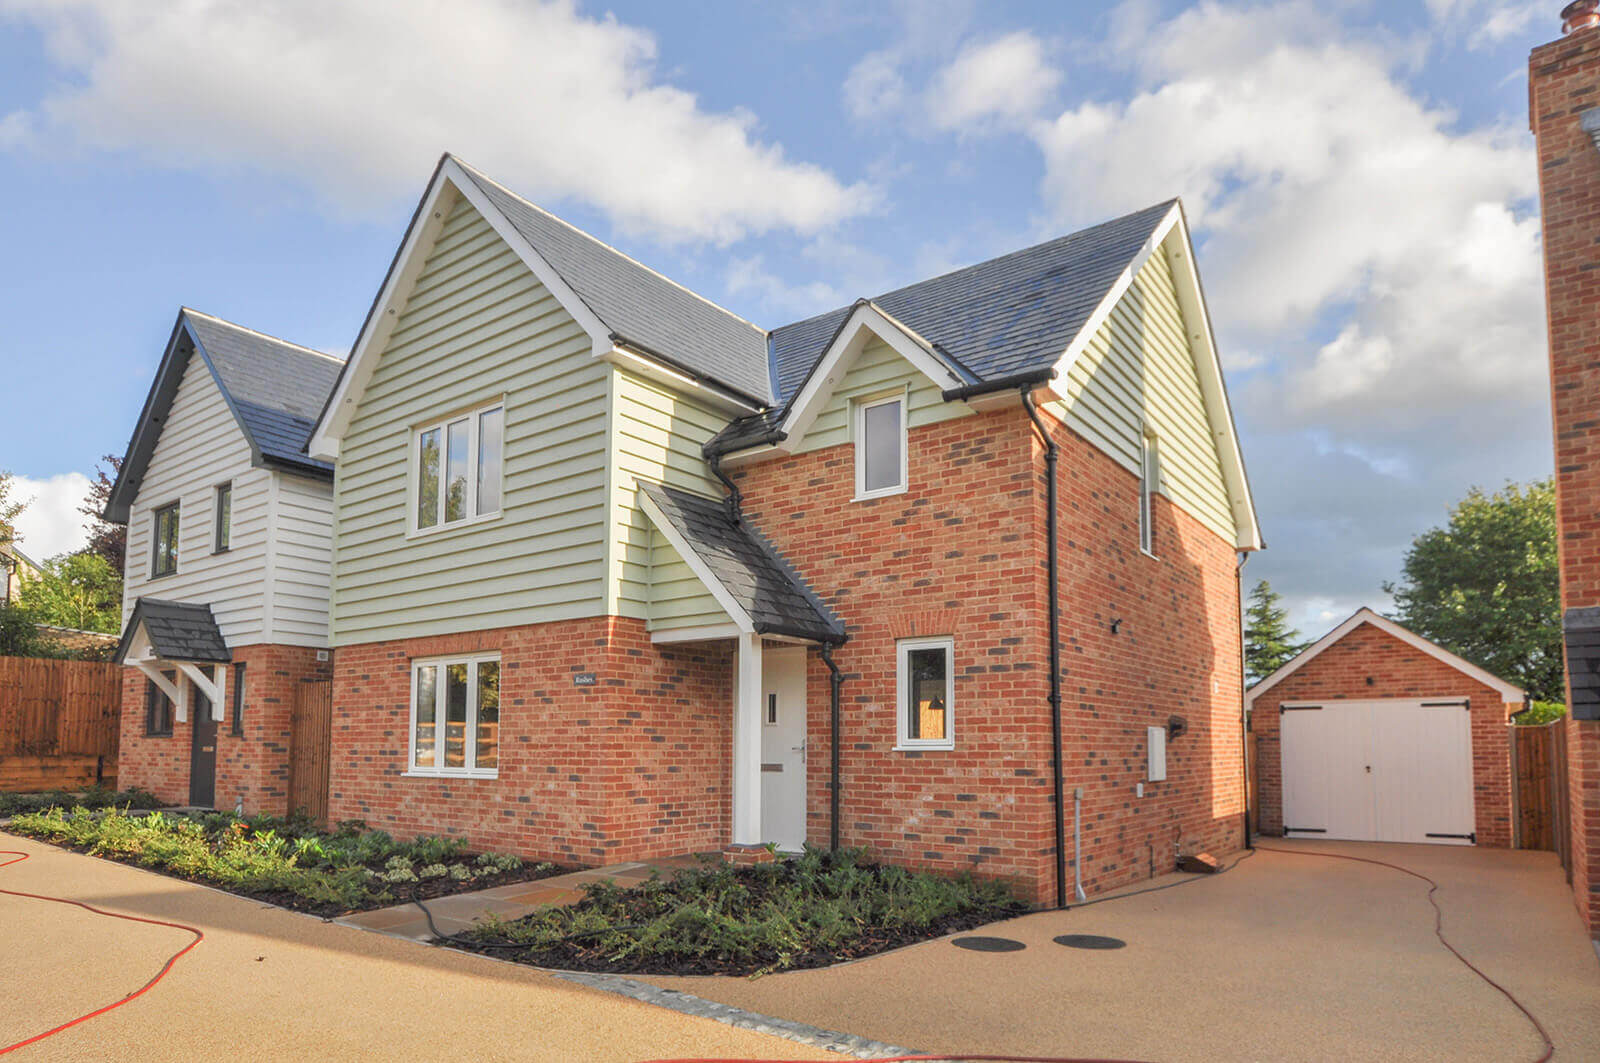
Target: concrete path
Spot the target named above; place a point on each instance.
(269, 984)
(455, 913)
(1288, 957)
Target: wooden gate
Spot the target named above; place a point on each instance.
(59, 722)
(1537, 787)
(310, 740)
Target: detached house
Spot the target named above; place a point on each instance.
(616, 573)
(225, 606)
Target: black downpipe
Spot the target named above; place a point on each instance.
(835, 681)
(735, 500)
(1051, 454)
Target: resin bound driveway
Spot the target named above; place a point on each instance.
(272, 984)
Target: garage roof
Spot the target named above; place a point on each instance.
(1389, 627)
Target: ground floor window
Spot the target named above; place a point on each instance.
(158, 708)
(455, 716)
(926, 695)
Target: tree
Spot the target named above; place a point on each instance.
(1269, 641)
(18, 635)
(108, 540)
(78, 591)
(1486, 586)
(10, 510)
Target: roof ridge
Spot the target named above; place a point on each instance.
(477, 173)
(263, 335)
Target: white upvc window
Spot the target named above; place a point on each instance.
(1149, 484)
(925, 693)
(880, 439)
(456, 469)
(455, 717)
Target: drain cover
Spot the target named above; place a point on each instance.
(1089, 941)
(983, 944)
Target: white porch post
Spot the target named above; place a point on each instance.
(747, 741)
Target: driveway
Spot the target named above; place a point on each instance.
(272, 984)
(1286, 957)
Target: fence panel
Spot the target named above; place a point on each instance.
(310, 748)
(61, 710)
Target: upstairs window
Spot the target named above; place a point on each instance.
(222, 532)
(880, 431)
(1149, 484)
(456, 469)
(164, 550)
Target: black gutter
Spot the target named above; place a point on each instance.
(1026, 381)
(835, 681)
(1051, 454)
(619, 340)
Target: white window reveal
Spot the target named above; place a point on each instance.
(456, 469)
(455, 717)
(926, 694)
(1149, 484)
(880, 432)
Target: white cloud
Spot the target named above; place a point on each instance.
(1488, 22)
(749, 278)
(1004, 80)
(51, 523)
(874, 87)
(356, 100)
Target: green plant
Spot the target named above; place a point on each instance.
(1540, 712)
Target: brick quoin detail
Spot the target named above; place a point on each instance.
(254, 768)
(962, 553)
(1564, 82)
(1397, 670)
(635, 766)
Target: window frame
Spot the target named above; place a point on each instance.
(470, 749)
(152, 695)
(1149, 487)
(902, 650)
(474, 417)
(859, 432)
(221, 530)
(236, 727)
(174, 507)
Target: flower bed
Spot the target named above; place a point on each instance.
(94, 797)
(811, 911)
(284, 862)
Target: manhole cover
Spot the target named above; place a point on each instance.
(1089, 941)
(982, 944)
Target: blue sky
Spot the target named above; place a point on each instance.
(1359, 177)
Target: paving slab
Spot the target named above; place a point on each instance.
(271, 984)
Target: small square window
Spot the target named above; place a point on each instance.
(164, 546)
(880, 447)
(925, 705)
(222, 531)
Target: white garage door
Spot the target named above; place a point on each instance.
(1387, 771)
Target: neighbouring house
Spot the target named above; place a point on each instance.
(15, 568)
(1373, 733)
(225, 602)
(1564, 113)
(618, 574)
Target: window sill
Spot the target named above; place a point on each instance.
(158, 734)
(160, 575)
(942, 747)
(457, 525)
(1148, 554)
(219, 550)
(887, 492)
(415, 773)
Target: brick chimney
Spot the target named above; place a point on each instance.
(1564, 113)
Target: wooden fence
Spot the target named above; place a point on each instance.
(1539, 787)
(59, 722)
(310, 748)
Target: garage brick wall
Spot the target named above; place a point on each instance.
(1396, 670)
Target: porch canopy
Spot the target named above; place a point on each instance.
(181, 637)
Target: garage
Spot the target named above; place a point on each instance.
(1374, 733)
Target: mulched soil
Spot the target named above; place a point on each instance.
(575, 956)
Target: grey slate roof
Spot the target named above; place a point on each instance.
(1009, 315)
(639, 305)
(275, 389)
(759, 579)
(178, 631)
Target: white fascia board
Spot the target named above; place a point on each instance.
(865, 321)
(451, 180)
(672, 378)
(703, 633)
(696, 563)
(1508, 693)
(1171, 237)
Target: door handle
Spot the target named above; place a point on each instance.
(801, 749)
(208, 749)
(1369, 769)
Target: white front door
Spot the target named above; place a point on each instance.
(1393, 771)
(783, 746)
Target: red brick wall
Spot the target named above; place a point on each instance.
(1563, 82)
(253, 767)
(1398, 671)
(637, 765)
(962, 553)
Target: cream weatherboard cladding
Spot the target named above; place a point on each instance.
(477, 326)
(878, 370)
(1138, 373)
(678, 599)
